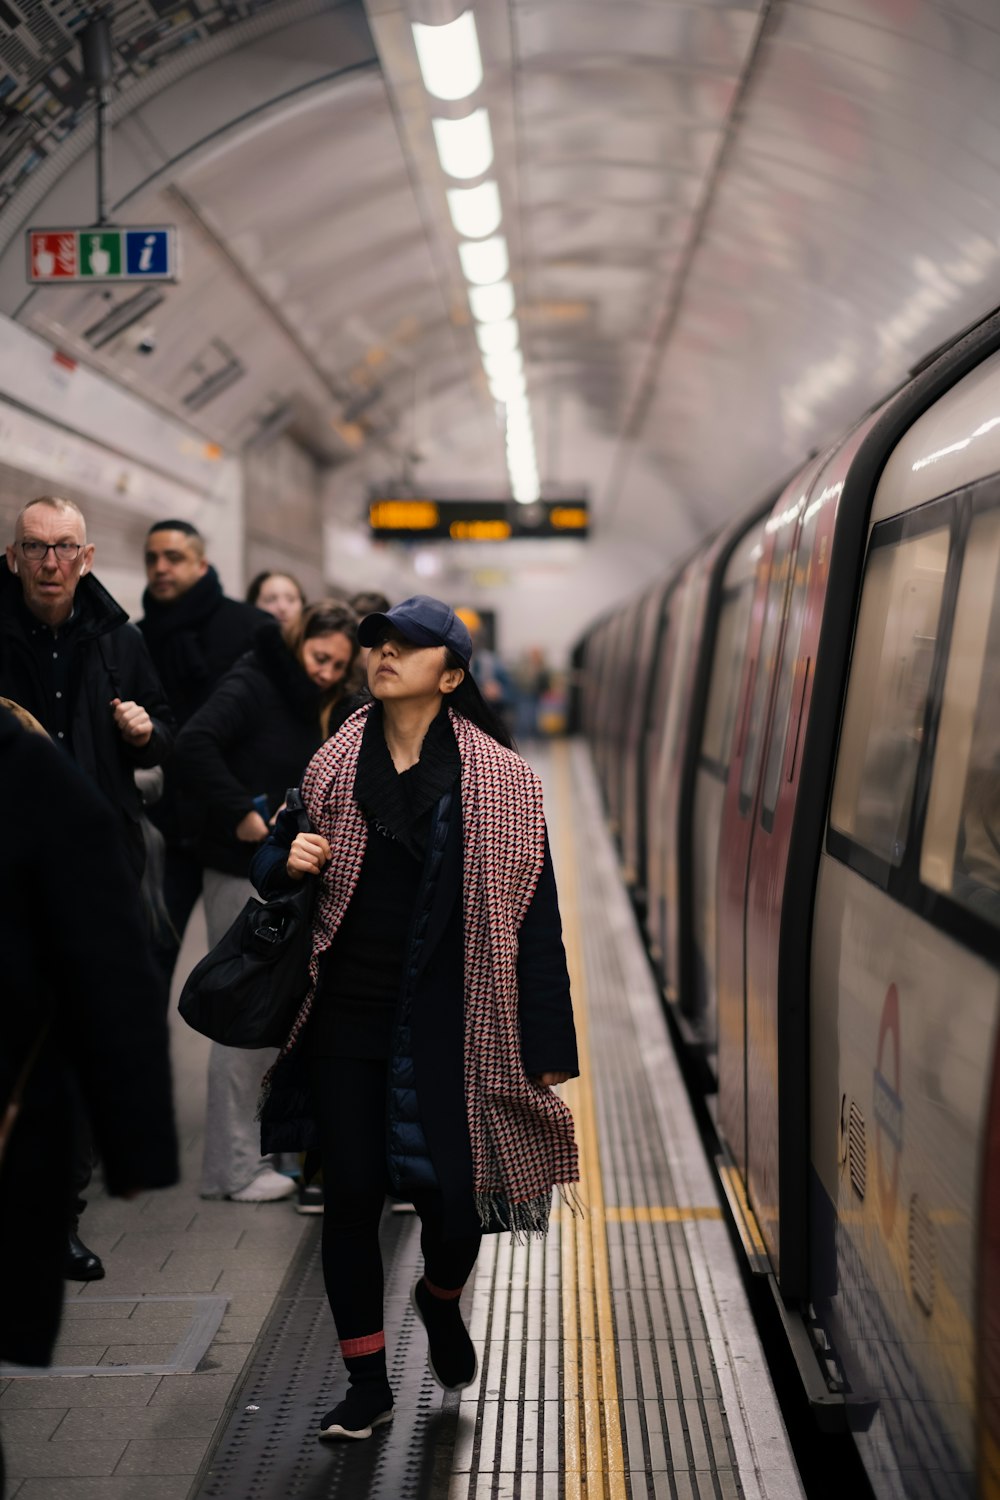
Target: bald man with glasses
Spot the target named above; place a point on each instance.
(70, 657)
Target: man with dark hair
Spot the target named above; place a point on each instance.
(69, 656)
(194, 634)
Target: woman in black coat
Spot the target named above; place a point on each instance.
(235, 759)
(80, 1020)
(438, 1015)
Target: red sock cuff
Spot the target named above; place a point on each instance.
(371, 1343)
(437, 1291)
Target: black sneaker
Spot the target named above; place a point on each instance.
(310, 1198)
(364, 1408)
(451, 1354)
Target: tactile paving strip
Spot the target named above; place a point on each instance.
(269, 1446)
(611, 1352)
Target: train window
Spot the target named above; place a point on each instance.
(789, 657)
(961, 851)
(724, 689)
(887, 692)
(774, 613)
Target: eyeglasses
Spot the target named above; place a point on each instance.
(64, 551)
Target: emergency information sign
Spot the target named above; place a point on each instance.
(136, 253)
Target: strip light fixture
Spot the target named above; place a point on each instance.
(451, 68)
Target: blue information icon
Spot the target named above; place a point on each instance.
(147, 252)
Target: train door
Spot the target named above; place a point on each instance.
(654, 735)
(634, 789)
(690, 627)
(714, 753)
(777, 1014)
(770, 605)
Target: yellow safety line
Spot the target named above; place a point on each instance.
(594, 1455)
(661, 1215)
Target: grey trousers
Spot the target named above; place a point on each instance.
(231, 1157)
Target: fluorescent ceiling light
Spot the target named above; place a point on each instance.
(449, 57)
(526, 494)
(507, 387)
(508, 363)
(498, 338)
(492, 304)
(475, 212)
(464, 147)
(485, 261)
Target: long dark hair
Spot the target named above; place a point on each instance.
(328, 617)
(468, 701)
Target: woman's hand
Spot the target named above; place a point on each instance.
(307, 856)
(251, 829)
(548, 1080)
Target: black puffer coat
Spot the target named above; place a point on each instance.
(254, 737)
(110, 661)
(78, 986)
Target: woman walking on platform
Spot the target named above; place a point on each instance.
(438, 1016)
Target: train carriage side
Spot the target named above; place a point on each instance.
(905, 978)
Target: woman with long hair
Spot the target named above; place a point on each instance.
(280, 594)
(235, 759)
(438, 1015)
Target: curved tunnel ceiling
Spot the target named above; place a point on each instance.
(733, 227)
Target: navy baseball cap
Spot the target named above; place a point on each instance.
(422, 620)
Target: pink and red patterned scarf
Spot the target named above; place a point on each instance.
(522, 1135)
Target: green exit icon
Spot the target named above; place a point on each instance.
(100, 254)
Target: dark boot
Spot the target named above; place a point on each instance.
(451, 1353)
(81, 1264)
(368, 1403)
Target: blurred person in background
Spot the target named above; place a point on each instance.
(235, 759)
(194, 634)
(81, 1027)
(278, 593)
(492, 677)
(438, 1016)
(368, 602)
(69, 656)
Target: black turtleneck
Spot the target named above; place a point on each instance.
(363, 971)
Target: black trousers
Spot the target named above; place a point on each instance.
(349, 1096)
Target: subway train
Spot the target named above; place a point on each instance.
(797, 735)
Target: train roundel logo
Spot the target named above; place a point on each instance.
(888, 1110)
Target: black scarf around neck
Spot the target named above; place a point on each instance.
(172, 631)
(398, 804)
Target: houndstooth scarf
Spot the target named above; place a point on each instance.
(521, 1134)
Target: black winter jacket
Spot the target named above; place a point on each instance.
(255, 736)
(196, 638)
(427, 1127)
(76, 974)
(110, 661)
(193, 642)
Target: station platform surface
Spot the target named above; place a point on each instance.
(618, 1357)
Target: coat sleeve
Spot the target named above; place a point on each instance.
(140, 682)
(110, 1019)
(229, 717)
(548, 1036)
(268, 874)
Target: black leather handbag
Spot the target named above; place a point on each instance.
(246, 991)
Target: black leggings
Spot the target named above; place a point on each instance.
(349, 1096)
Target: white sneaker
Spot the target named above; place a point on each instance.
(267, 1187)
